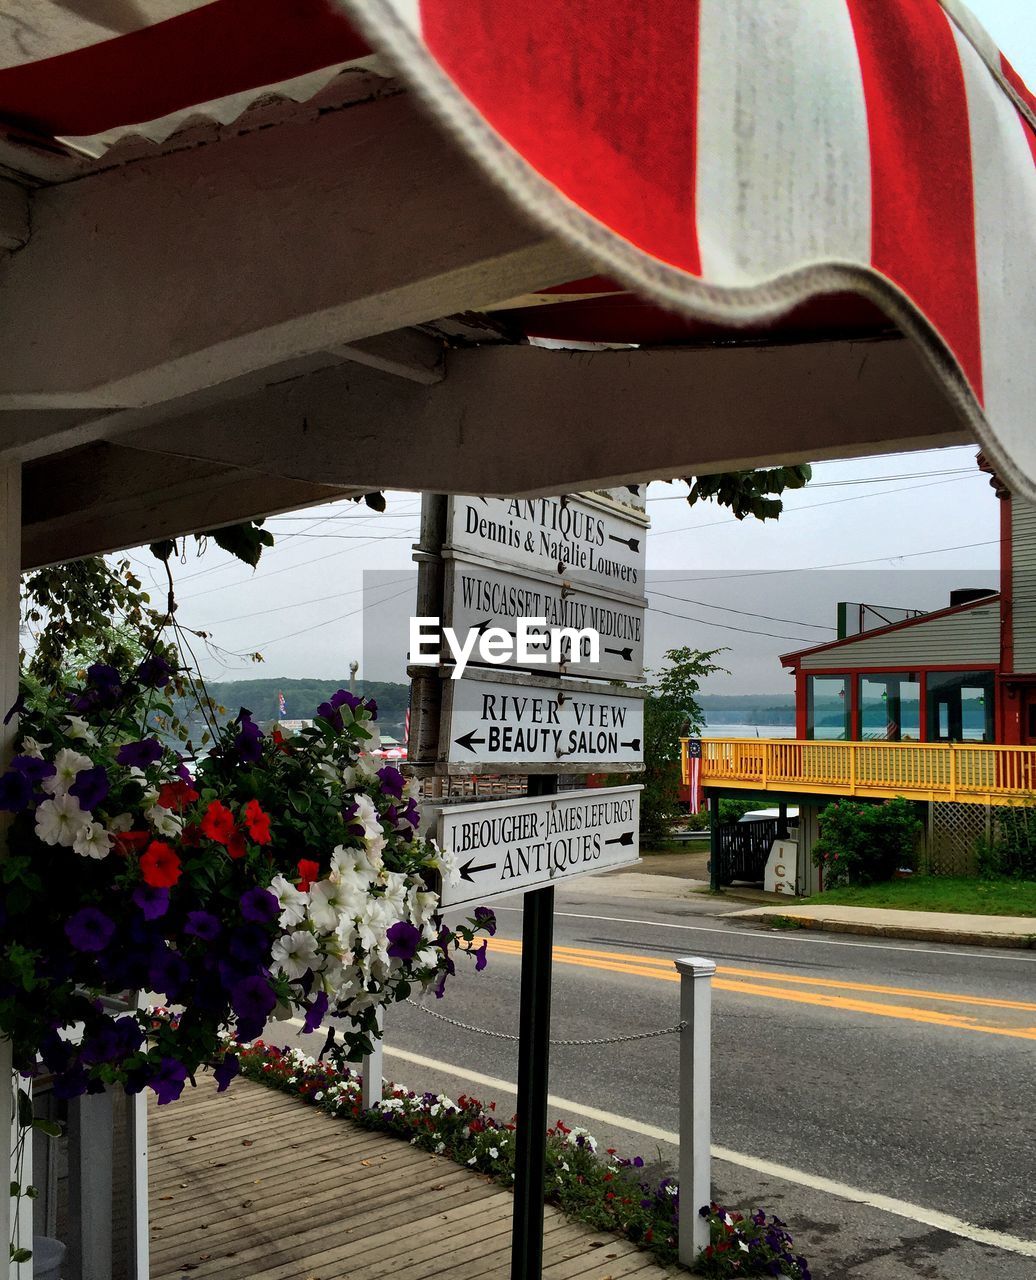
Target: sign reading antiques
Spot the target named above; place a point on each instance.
(479, 597)
(508, 845)
(592, 542)
(513, 721)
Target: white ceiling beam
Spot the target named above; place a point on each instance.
(179, 272)
(104, 497)
(14, 216)
(405, 354)
(512, 420)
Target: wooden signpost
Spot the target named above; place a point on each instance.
(484, 563)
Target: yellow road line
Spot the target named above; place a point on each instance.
(772, 975)
(650, 969)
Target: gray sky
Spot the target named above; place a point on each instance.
(302, 607)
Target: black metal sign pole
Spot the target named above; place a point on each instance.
(533, 1069)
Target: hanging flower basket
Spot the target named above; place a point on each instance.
(276, 874)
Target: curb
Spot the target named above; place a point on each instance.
(1012, 941)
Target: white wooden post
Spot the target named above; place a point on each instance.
(372, 1067)
(136, 1149)
(90, 1129)
(695, 1102)
(10, 569)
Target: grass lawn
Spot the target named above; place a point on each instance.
(939, 893)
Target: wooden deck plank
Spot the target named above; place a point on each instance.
(314, 1196)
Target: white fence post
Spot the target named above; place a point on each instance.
(695, 1102)
(372, 1067)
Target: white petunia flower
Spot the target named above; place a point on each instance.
(446, 863)
(366, 816)
(365, 770)
(92, 841)
(294, 953)
(59, 821)
(78, 728)
(164, 821)
(292, 901)
(31, 747)
(494, 1154)
(324, 905)
(421, 905)
(412, 789)
(426, 958)
(67, 763)
(121, 822)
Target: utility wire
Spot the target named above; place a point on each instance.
(832, 484)
(299, 604)
(794, 622)
(341, 618)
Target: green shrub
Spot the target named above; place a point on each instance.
(863, 843)
(1012, 849)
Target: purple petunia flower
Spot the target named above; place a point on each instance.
(91, 787)
(139, 755)
(226, 1071)
(343, 698)
(392, 781)
(259, 905)
(105, 684)
(485, 918)
(404, 940)
(411, 813)
(315, 1013)
(16, 710)
(480, 956)
(372, 707)
(203, 925)
(71, 1083)
(168, 1081)
(89, 929)
(33, 769)
(15, 792)
(249, 742)
(249, 945)
(152, 901)
(168, 973)
(81, 703)
(154, 672)
(253, 1000)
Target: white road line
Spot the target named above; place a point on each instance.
(887, 1204)
(799, 936)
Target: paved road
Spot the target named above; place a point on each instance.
(902, 1069)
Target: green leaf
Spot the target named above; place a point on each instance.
(243, 541)
(20, 1255)
(50, 1127)
(24, 1109)
(299, 801)
(162, 550)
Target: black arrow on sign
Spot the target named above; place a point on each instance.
(632, 543)
(468, 741)
(627, 654)
(625, 838)
(634, 744)
(483, 627)
(468, 872)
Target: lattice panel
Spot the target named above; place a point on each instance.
(953, 830)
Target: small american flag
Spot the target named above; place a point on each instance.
(406, 725)
(282, 705)
(694, 792)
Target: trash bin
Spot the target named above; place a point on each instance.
(47, 1257)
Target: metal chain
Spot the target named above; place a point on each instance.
(503, 1035)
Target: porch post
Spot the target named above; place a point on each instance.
(10, 567)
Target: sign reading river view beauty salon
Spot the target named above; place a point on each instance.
(513, 721)
(592, 543)
(508, 845)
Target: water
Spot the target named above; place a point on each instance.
(749, 731)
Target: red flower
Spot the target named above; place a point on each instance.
(257, 822)
(174, 795)
(236, 844)
(131, 841)
(218, 822)
(308, 872)
(160, 867)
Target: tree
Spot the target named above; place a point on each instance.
(671, 712)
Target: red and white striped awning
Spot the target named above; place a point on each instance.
(732, 162)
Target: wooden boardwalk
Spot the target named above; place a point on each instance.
(258, 1186)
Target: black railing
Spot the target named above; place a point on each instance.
(744, 848)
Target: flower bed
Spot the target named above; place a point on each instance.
(602, 1189)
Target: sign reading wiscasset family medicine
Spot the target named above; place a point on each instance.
(508, 845)
(514, 721)
(480, 596)
(593, 543)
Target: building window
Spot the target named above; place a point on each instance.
(960, 706)
(890, 707)
(828, 708)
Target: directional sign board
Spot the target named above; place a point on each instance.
(510, 721)
(509, 845)
(587, 540)
(480, 596)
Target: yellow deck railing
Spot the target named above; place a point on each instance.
(972, 773)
